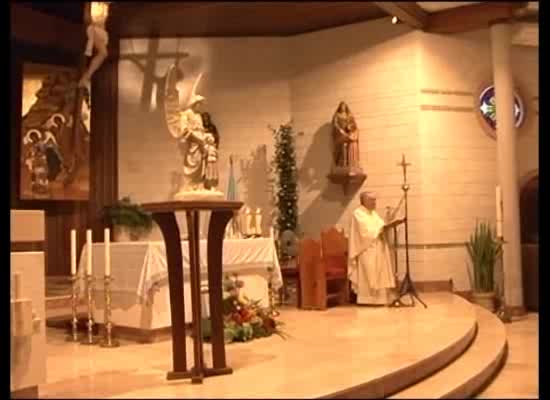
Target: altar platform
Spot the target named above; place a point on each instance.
(343, 352)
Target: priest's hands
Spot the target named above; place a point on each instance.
(393, 224)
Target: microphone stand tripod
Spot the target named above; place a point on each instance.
(407, 286)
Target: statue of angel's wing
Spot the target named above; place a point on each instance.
(172, 102)
(195, 85)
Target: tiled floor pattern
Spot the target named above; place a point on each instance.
(328, 350)
(321, 343)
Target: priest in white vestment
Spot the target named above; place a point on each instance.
(370, 263)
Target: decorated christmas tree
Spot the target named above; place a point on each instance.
(286, 182)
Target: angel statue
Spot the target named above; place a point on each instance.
(195, 144)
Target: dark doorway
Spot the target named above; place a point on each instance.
(529, 206)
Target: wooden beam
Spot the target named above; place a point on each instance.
(471, 17)
(408, 12)
(215, 19)
(34, 27)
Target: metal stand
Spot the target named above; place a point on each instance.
(407, 286)
(73, 336)
(272, 307)
(108, 340)
(90, 339)
(395, 255)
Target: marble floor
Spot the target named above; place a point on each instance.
(327, 351)
(519, 378)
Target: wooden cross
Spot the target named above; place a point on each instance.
(404, 164)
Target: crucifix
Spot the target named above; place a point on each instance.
(407, 286)
(404, 165)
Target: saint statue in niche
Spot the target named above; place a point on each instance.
(197, 145)
(345, 137)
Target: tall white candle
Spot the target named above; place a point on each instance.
(89, 251)
(499, 211)
(258, 230)
(248, 219)
(73, 252)
(107, 239)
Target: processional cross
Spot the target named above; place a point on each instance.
(407, 286)
(404, 165)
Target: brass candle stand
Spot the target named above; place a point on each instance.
(73, 336)
(89, 339)
(271, 294)
(108, 340)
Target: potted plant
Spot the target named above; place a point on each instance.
(130, 221)
(484, 250)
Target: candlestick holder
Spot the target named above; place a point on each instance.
(89, 339)
(108, 340)
(271, 294)
(73, 336)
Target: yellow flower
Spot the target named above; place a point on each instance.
(242, 298)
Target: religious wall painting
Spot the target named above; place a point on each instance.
(54, 152)
(486, 108)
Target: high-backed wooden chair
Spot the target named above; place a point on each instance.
(323, 274)
(334, 254)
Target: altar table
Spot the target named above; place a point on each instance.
(140, 277)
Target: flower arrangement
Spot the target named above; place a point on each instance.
(244, 319)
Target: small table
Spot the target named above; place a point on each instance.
(164, 216)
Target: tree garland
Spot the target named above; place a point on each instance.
(286, 181)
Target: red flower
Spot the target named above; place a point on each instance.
(245, 315)
(269, 323)
(237, 318)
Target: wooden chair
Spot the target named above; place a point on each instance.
(323, 275)
(334, 252)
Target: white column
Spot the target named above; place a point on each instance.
(501, 40)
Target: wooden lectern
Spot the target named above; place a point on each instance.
(164, 216)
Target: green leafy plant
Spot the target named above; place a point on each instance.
(484, 250)
(126, 214)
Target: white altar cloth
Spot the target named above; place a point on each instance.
(140, 268)
(140, 293)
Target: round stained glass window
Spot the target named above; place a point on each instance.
(487, 108)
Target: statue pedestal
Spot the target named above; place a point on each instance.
(197, 195)
(347, 177)
(221, 214)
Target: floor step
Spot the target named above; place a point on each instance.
(58, 286)
(470, 372)
(57, 306)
